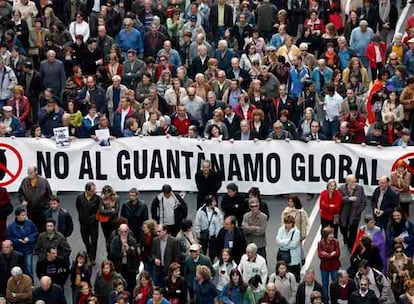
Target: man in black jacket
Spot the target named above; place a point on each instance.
(136, 212)
(310, 282)
(48, 292)
(53, 266)
(234, 203)
(169, 209)
(8, 259)
(214, 18)
(208, 182)
(245, 133)
(64, 222)
(87, 204)
(232, 238)
(383, 202)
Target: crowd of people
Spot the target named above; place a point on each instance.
(225, 70)
(158, 253)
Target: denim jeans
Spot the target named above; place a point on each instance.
(28, 264)
(325, 282)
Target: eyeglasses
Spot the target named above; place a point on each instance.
(363, 284)
(254, 206)
(191, 95)
(398, 251)
(272, 51)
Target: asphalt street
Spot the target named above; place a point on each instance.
(276, 206)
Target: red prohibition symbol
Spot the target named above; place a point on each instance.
(8, 176)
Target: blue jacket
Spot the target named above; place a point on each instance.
(224, 63)
(16, 127)
(408, 61)
(48, 121)
(16, 232)
(394, 230)
(87, 125)
(295, 82)
(233, 295)
(173, 57)
(163, 301)
(277, 41)
(316, 77)
(97, 96)
(131, 40)
(204, 293)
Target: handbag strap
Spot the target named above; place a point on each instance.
(292, 235)
(211, 218)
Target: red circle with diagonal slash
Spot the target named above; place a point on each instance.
(406, 166)
(13, 176)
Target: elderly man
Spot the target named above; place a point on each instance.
(352, 98)
(12, 123)
(199, 40)
(124, 254)
(383, 202)
(19, 287)
(235, 72)
(308, 285)
(220, 85)
(9, 81)
(48, 292)
(173, 56)
(254, 226)
(245, 132)
(270, 83)
(35, 193)
(8, 259)
(194, 105)
(360, 38)
(165, 127)
(92, 94)
(231, 237)
(224, 55)
(353, 203)
(130, 39)
(321, 76)
(200, 63)
(252, 264)
(53, 73)
(340, 291)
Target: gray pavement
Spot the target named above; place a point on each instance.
(276, 206)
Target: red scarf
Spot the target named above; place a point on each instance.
(78, 80)
(107, 277)
(83, 298)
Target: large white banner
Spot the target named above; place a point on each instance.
(276, 167)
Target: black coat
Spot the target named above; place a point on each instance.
(236, 206)
(300, 295)
(198, 67)
(180, 212)
(65, 222)
(136, 215)
(6, 264)
(87, 209)
(228, 17)
(389, 202)
(243, 74)
(53, 295)
(234, 126)
(253, 135)
(239, 243)
(370, 298)
(207, 186)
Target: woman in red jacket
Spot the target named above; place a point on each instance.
(21, 105)
(329, 253)
(375, 54)
(330, 205)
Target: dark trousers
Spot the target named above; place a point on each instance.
(326, 223)
(374, 71)
(129, 277)
(349, 234)
(210, 246)
(262, 251)
(295, 269)
(89, 234)
(37, 217)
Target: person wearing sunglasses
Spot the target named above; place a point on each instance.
(400, 269)
(363, 295)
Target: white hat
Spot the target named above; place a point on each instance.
(194, 247)
(7, 108)
(411, 40)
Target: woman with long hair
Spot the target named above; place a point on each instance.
(71, 108)
(80, 272)
(104, 282)
(400, 230)
(223, 268)
(400, 269)
(74, 83)
(218, 120)
(356, 69)
(329, 253)
(258, 99)
(144, 288)
(146, 242)
(175, 94)
(250, 55)
(164, 83)
(108, 211)
(236, 291)
(114, 67)
(366, 250)
(211, 73)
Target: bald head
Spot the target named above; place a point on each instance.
(45, 283)
(7, 247)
